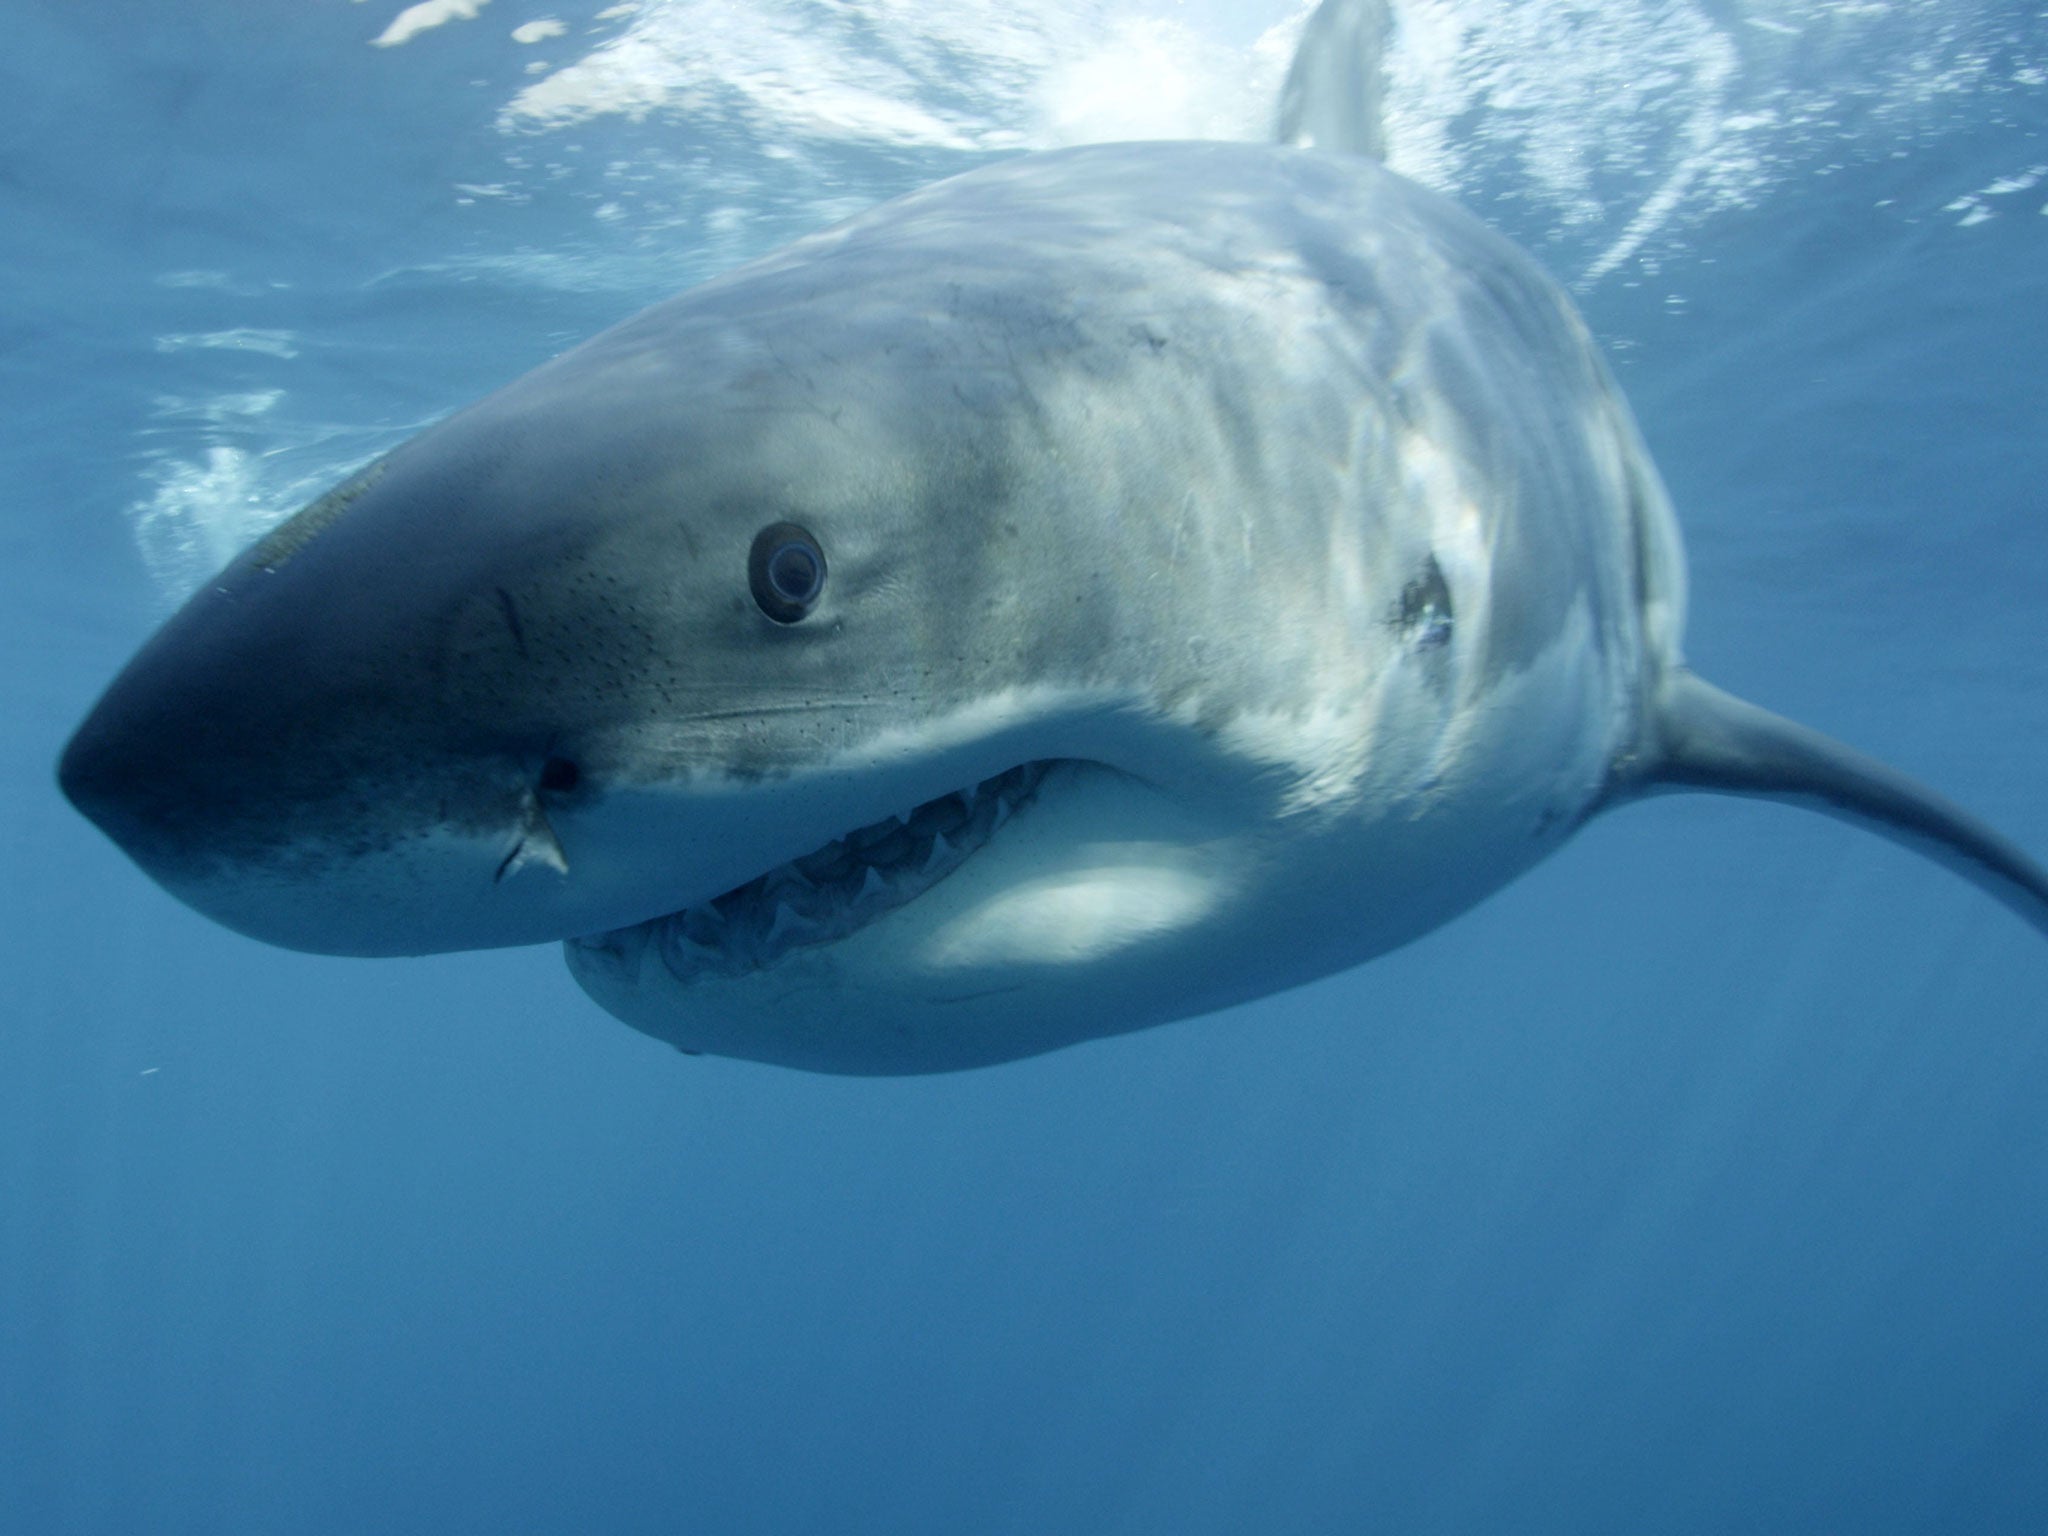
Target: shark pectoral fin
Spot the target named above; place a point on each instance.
(1699, 738)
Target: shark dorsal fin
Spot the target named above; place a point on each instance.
(1335, 88)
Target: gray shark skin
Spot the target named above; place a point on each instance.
(1192, 569)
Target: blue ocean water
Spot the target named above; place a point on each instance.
(1695, 1183)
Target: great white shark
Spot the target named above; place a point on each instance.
(1091, 591)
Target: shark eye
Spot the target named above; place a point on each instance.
(786, 569)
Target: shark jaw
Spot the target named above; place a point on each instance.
(826, 895)
(987, 924)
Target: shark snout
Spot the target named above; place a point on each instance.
(138, 777)
(97, 778)
(340, 825)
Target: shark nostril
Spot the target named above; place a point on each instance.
(559, 775)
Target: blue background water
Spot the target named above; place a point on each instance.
(1696, 1183)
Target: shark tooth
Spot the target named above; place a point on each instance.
(537, 843)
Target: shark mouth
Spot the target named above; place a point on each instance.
(826, 895)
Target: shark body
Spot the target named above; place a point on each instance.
(1088, 592)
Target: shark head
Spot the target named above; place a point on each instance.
(809, 654)
(708, 682)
